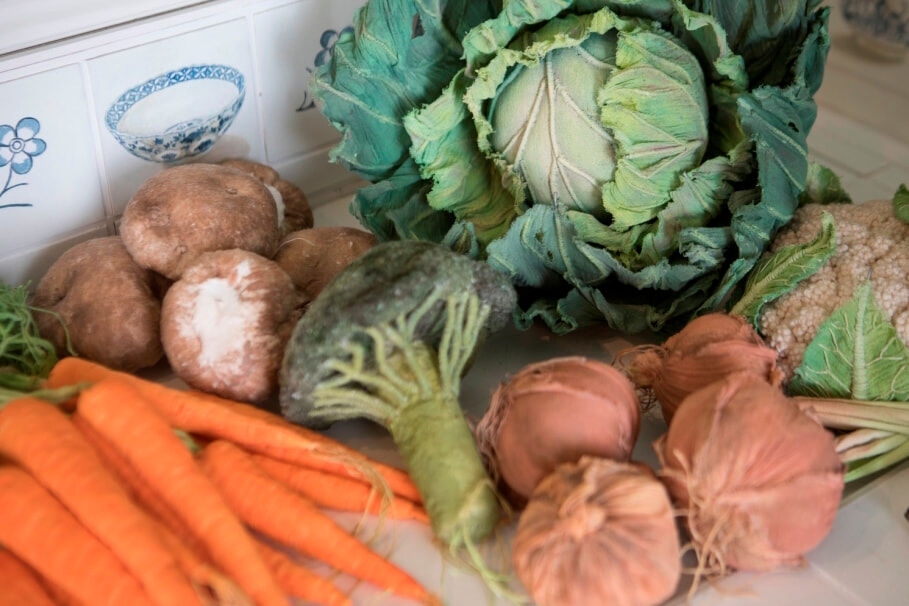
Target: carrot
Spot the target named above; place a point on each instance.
(43, 440)
(20, 585)
(119, 414)
(222, 589)
(300, 582)
(43, 533)
(336, 492)
(254, 429)
(277, 512)
(189, 551)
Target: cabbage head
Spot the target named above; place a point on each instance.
(624, 161)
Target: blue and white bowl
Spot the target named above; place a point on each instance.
(179, 114)
(881, 26)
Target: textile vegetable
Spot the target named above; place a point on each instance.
(760, 481)
(388, 340)
(622, 161)
(598, 531)
(554, 412)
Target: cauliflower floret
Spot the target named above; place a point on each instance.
(870, 242)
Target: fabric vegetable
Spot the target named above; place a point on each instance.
(822, 259)
(833, 300)
(388, 340)
(554, 412)
(624, 161)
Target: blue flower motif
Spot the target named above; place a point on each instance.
(327, 41)
(19, 145)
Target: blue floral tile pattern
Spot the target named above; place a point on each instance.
(18, 148)
(191, 137)
(327, 41)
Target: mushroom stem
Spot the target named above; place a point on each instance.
(412, 390)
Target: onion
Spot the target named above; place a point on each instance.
(759, 479)
(598, 532)
(708, 349)
(554, 412)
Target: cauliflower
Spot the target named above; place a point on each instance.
(871, 242)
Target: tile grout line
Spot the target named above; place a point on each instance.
(106, 196)
(70, 235)
(257, 76)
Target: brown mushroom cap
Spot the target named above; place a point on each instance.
(225, 323)
(265, 174)
(185, 211)
(107, 303)
(297, 213)
(313, 257)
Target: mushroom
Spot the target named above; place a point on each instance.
(313, 257)
(225, 323)
(296, 211)
(388, 340)
(188, 210)
(106, 301)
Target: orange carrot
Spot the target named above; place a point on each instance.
(299, 581)
(248, 426)
(43, 440)
(276, 511)
(42, 532)
(223, 590)
(189, 551)
(122, 417)
(337, 492)
(20, 585)
(140, 492)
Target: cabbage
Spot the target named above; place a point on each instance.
(624, 161)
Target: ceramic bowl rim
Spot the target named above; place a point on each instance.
(121, 106)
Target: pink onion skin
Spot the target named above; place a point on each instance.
(554, 412)
(754, 471)
(708, 349)
(598, 532)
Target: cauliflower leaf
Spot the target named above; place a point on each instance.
(779, 273)
(901, 203)
(856, 354)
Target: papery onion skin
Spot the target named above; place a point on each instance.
(708, 349)
(761, 480)
(554, 412)
(598, 532)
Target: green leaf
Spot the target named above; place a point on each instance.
(656, 105)
(402, 54)
(765, 32)
(463, 181)
(901, 203)
(856, 354)
(779, 273)
(822, 186)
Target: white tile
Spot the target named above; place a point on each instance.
(61, 187)
(319, 179)
(868, 549)
(288, 41)
(114, 74)
(31, 265)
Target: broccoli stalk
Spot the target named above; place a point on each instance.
(389, 340)
(412, 390)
